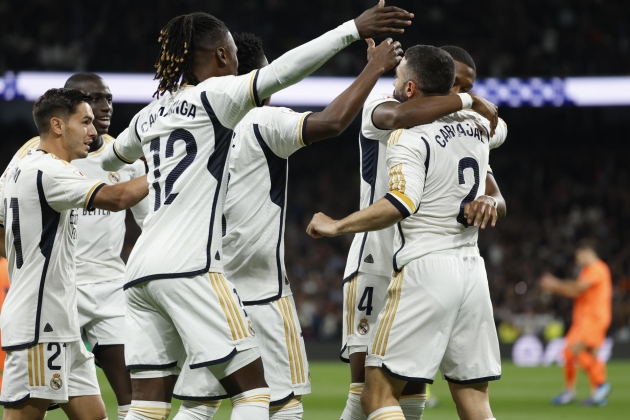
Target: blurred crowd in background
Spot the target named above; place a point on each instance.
(531, 37)
(563, 171)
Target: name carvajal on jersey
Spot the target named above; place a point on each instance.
(450, 131)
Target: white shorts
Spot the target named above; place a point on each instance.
(438, 315)
(282, 351)
(364, 297)
(50, 371)
(168, 320)
(102, 312)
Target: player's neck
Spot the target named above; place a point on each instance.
(97, 143)
(54, 146)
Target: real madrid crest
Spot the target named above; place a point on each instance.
(114, 177)
(55, 382)
(364, 326)
(251, 327)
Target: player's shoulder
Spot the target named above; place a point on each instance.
(374, 101)
(52, 165)
(23, 151)
(107, 139)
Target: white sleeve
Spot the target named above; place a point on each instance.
(232, 97)
(67, 188)
(368, 129)
(298, 63)
(500, 135)
(280, 128)
(141, 209)
(407, 160)
(125, 150)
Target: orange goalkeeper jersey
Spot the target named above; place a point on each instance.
(594, 306)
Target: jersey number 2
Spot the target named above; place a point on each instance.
(191, 151)
(466, 163)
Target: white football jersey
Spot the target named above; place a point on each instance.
(186, 138)
(255, 208)
(100, 233)
(434, 171)
(371, 252)
(39, 213)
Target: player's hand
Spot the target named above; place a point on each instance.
(386, 56)
(380, 20)
(548, 282)
(480, 211)
(322, 225)
(486, 109)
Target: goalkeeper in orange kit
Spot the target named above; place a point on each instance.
(592, 313)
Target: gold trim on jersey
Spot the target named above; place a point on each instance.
(405, 200)
(394, 137)
(255, 398)
(34, 142)
(292, 337)
(106, 140)
(36, 372)
(292, 403)
(351, 301)
(89, 194)
(121, 157)
(251, 88)
(301, 129)
(379, 346)
(212, 404)
(230, 309)
(397, 178)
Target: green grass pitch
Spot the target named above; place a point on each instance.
(523, 393)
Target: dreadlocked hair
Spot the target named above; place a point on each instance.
(179, 38)
(250, 52)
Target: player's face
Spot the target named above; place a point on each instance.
(101, 103)
(464, 78)
(399, 82)
(79, 131)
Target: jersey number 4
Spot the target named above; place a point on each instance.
(191, 151)
(466, 163)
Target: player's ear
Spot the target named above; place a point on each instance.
(411, 89)
(56, 125)
(221, 56)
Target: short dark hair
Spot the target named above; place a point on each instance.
(431, 69)
(61, 103)
(461, 55)
(587, 244)
(75, 81)
(179, 39)
(251, 55)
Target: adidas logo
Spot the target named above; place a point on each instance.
(48, 328)
(369, 259)
(217, 256)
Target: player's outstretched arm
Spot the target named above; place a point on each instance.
(121, 196)
(426, 109)
(379, 215)
(337, 116)
(567, 288)
(298, 63)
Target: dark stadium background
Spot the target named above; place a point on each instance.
(563, 171)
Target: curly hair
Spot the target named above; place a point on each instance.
(61, 103)
(179, 38)
(250, 52)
